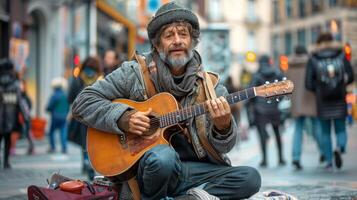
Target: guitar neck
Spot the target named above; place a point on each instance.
(200, 109)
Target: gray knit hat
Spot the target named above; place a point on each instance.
(169, 13)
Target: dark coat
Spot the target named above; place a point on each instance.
(265, 112)
(328, 108)
(77, 131)
(302, 100)
(10, 97)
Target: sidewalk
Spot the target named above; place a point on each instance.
(313, 182)
(35, 169)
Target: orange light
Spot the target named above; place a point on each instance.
(348, 52)
(284, 62)
(76, 71)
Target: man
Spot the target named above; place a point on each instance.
(267, 113)
(327, 75)
(11, 105)
(110, 61)
(171, 171)
(303, 106)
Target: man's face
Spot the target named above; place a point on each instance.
(175, 46)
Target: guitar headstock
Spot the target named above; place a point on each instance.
(277, 88)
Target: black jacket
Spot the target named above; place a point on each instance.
(10, 96)
(328, 107)
(266, 112)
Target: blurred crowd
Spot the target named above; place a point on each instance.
(318, 104)
(15, 108)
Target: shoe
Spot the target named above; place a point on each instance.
(263, 164)
(7, 166)
(328, 167)
(322, 158)
(30, 151)
(200, 194)
(297, 165)
(50, 151)
(282, 163)
(338, 159)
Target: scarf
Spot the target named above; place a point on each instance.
(164, 81)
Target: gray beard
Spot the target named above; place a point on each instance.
(176, 63)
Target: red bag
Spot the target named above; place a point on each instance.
(61, 187)
(88, 192)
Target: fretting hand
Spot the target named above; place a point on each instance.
(220, 112)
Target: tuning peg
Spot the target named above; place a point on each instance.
(284, 78)
(267, 82)
(276, 80)
(269, 101)
(277, 99)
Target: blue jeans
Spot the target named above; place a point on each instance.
(297, 139)
(161, 175)
(341, 136)
(61, 125)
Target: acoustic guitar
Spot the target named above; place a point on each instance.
(114, 156)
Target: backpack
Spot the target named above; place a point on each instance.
(330, 76)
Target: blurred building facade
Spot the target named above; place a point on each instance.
(300, 22)
(50, 38)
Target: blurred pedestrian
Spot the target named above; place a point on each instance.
(267, 112)
(10, 107)
(111, 61)
(303, 105)
(27, 104)
(58, 107)
(328, 73)
(90, 71)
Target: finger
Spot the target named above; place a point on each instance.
(215, 107)
(139, 123)
(226, 105)
(143, 118)
(136, 132)
(210, 108)
(220, 106)
(147, 112)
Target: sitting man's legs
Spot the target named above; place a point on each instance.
(158, 172)
(224, 182)
(162, 174)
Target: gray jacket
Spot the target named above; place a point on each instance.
(94, 107)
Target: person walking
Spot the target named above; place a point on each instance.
(10, 106)
(267, 112)
(328, 73)
(26, 127)
(185, 169)
(303, 105)
(90, 71)
(58, 107)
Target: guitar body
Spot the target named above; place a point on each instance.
(110, 157)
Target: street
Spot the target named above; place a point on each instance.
(310, 183)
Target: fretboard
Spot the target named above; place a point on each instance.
(200, 109)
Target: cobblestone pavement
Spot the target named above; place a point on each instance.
(312, 183)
